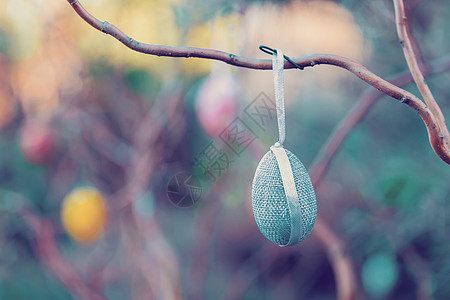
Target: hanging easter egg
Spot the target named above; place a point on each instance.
(283, 198)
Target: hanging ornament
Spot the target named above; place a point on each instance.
(283, 198)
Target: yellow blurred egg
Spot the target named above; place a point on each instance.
(84, 215)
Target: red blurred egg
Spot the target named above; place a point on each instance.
(37, 142)
(217, 102)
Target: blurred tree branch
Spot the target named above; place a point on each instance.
(339, 259)
(342, 266)
(146, 245)
(50, 254)
(437, 131)
(359, 111)
(421, 272)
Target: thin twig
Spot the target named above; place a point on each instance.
(411, 59)
(421, 272)
(146, 245)
(51, 256)
(359, 111)
(433, 127)
(339, 259)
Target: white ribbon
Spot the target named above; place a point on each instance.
(284, 165)
(278, 80)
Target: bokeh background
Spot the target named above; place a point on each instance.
(78, 109)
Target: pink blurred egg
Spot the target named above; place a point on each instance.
(37, 142)
(217, 102)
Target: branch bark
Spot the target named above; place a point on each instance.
(359, 111)
(433, 127)
(411, 52)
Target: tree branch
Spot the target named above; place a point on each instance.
(410, 52)
(420, 271)
(434, 129)
(339, 260)
(50, 255)
(344, 274)
(359, 111)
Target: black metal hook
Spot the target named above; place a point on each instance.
(272, 51)
(267, 49)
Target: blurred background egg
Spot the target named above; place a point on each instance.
(37, 141)
(84, 215)
(217, 103)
